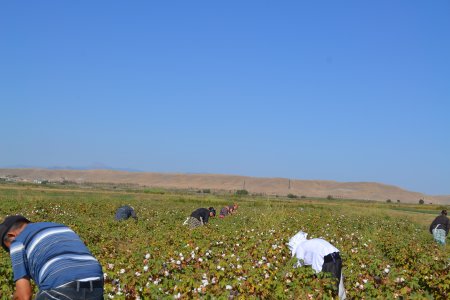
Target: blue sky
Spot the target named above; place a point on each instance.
(333, 90)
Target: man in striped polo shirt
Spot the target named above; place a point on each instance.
(54, 257)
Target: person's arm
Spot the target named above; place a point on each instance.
(447, 227)
(23, 289)
(432, 226)
(205, 218)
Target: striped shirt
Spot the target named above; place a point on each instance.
(52, 254)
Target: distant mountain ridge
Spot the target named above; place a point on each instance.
(267, 186)
(93, 166)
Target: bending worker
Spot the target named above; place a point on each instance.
(439, 227)
(125, 212)
(54, 257)
(320, 255)
(200, 217)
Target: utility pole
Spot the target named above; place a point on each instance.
(289, 184)
(243, 187)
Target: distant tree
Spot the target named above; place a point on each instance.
(206, 191)
(421, 201)
(388, 200)
(329, 197)
(241, 192)
(303, 196)
(398, 201)
(292, 196)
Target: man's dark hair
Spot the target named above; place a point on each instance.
(13, 227)
(444, 212)
(212, 210)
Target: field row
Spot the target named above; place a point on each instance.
(242, 256)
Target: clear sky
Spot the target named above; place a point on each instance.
(333, 90)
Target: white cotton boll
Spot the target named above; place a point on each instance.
(386, 270)
(145, 268)
(147, 256)
(122, 271)
(200, 259)
(228, 287)
(178, 262)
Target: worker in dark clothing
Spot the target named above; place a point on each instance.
(200, 217)
(439, 227)
(125, 212)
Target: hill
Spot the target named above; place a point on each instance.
(266, 186)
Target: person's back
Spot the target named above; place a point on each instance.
(440, 227)
(201, 214)
(200, 217)
(224, 212)
(125, 212)
(52, 255)
(313, 252)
